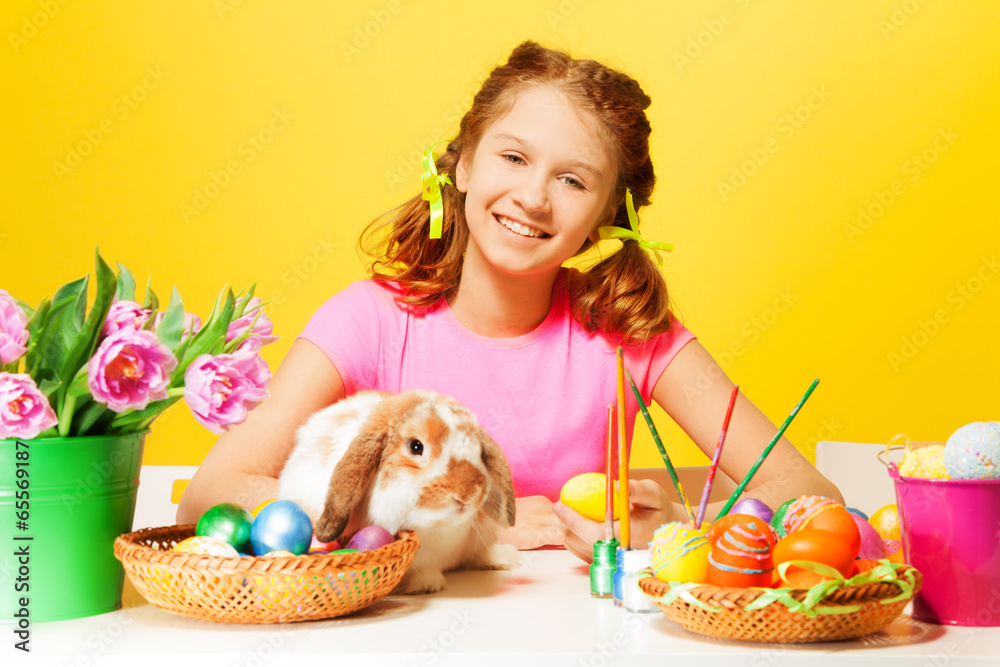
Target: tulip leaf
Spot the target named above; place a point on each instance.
(150, 301)
(92, 419)
(209, 336)
(48, 345)
(83, 341)
(124, 422)
(126, 285)
(172, 326)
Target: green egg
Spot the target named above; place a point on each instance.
(229, 523)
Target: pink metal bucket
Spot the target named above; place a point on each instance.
(951, 533)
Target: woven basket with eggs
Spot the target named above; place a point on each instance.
(793, 580)
(259, 589)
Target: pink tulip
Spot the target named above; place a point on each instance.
(125, 315)
(190, 320)
(13, 334)
(24, 410)
(129, 370)
(259, 333)
(221, 389)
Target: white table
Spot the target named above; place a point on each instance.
(538, 614)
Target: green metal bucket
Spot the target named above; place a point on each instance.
(63, 501)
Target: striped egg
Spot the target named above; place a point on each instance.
(680, 552)
(741, 558)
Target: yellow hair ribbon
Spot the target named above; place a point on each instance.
(612, 232)
(430, 184)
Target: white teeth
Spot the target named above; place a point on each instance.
(518, 228)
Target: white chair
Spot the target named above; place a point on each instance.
(154, 505)
(858, 472)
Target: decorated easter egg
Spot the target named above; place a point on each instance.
(369, 538)
(778, 520)
(680, 552)
(817, 546)
(741, 557)
(227, 522)
(281, 526)
(973, 452)
(894, 551)
(802, 510)
(872, 545)
(753, 507)
(835, 518)
(724, 523)
(316, 545)
(886, 522)
(586, 494)
(927, 462)
(207, 546)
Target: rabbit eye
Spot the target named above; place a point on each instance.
(416, 447)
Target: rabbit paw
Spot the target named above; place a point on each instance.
(497, 556)
(419, 581)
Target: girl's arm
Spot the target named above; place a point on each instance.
(694, 390)
(243, 465)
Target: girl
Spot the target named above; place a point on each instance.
(486, 313)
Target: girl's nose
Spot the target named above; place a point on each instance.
(533, 196)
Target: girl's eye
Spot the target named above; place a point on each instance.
(573, 183)
(513, 159)
(416, 447)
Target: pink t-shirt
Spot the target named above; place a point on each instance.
(543, 396)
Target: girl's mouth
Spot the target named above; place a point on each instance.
(520, 229)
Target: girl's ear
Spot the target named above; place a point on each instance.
(462, 172)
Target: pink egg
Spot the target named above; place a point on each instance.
(872, 545)
(369, 538)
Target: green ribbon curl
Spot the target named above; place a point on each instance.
(612, 232)
(431, 183)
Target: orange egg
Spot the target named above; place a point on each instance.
(818, 546)
(724, 523)
(741, 556)
(837, 519)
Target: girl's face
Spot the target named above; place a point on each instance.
(537, 186)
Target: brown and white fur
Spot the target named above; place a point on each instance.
(418, 461)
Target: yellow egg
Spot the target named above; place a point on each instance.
(586, 493)
(927, 462)
(680, 552)
(886, 522)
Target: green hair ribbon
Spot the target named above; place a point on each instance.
(430, 184)
(612, 232)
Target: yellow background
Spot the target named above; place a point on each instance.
(776, 276)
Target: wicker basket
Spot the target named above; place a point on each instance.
(259, 590)
(776, 622)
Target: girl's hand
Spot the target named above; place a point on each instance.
(651, 508)
(536, 526)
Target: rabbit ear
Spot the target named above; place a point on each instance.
(351, 479)
(500, 504)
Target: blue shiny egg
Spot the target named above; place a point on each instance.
(281, 526)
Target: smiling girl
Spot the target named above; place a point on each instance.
(487, 313)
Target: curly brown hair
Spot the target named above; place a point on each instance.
(624, 293)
